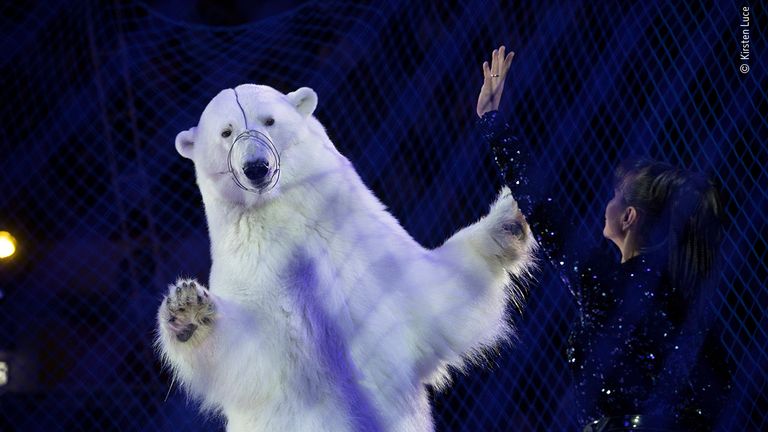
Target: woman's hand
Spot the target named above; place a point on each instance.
(493, 84)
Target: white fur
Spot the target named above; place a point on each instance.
(328, 314)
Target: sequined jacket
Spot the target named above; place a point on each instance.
(633, 349)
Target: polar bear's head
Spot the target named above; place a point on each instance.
(295, 145)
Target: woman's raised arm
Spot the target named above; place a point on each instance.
(549, 223)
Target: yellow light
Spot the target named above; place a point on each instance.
(7, 244)
(3, 373)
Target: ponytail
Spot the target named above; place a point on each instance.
(681, 213)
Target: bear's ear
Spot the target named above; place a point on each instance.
(185, 141)
(304, 99)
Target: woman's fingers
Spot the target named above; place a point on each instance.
(498, 62)
(508, 61)
(486, 70)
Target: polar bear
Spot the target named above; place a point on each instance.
(323, 313)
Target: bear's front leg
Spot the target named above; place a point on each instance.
(212, 346)
(186, 320)
(187, 313)
(472, 284)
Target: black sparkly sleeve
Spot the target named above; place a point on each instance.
(548, 222)
(509, 156)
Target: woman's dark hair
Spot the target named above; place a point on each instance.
(681, 214)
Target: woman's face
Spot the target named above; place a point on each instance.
(613, 213)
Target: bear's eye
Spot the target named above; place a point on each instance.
(226, 133)
(269, 122)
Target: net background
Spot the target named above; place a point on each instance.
(106, 213)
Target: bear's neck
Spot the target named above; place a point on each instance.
(292, 221)
(236, 230)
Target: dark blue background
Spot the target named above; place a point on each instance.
(106, 213)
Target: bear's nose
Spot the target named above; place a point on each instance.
(256, 170)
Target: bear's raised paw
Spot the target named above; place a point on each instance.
(510, 233)
(190, 309)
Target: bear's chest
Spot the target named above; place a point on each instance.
(297, 300)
